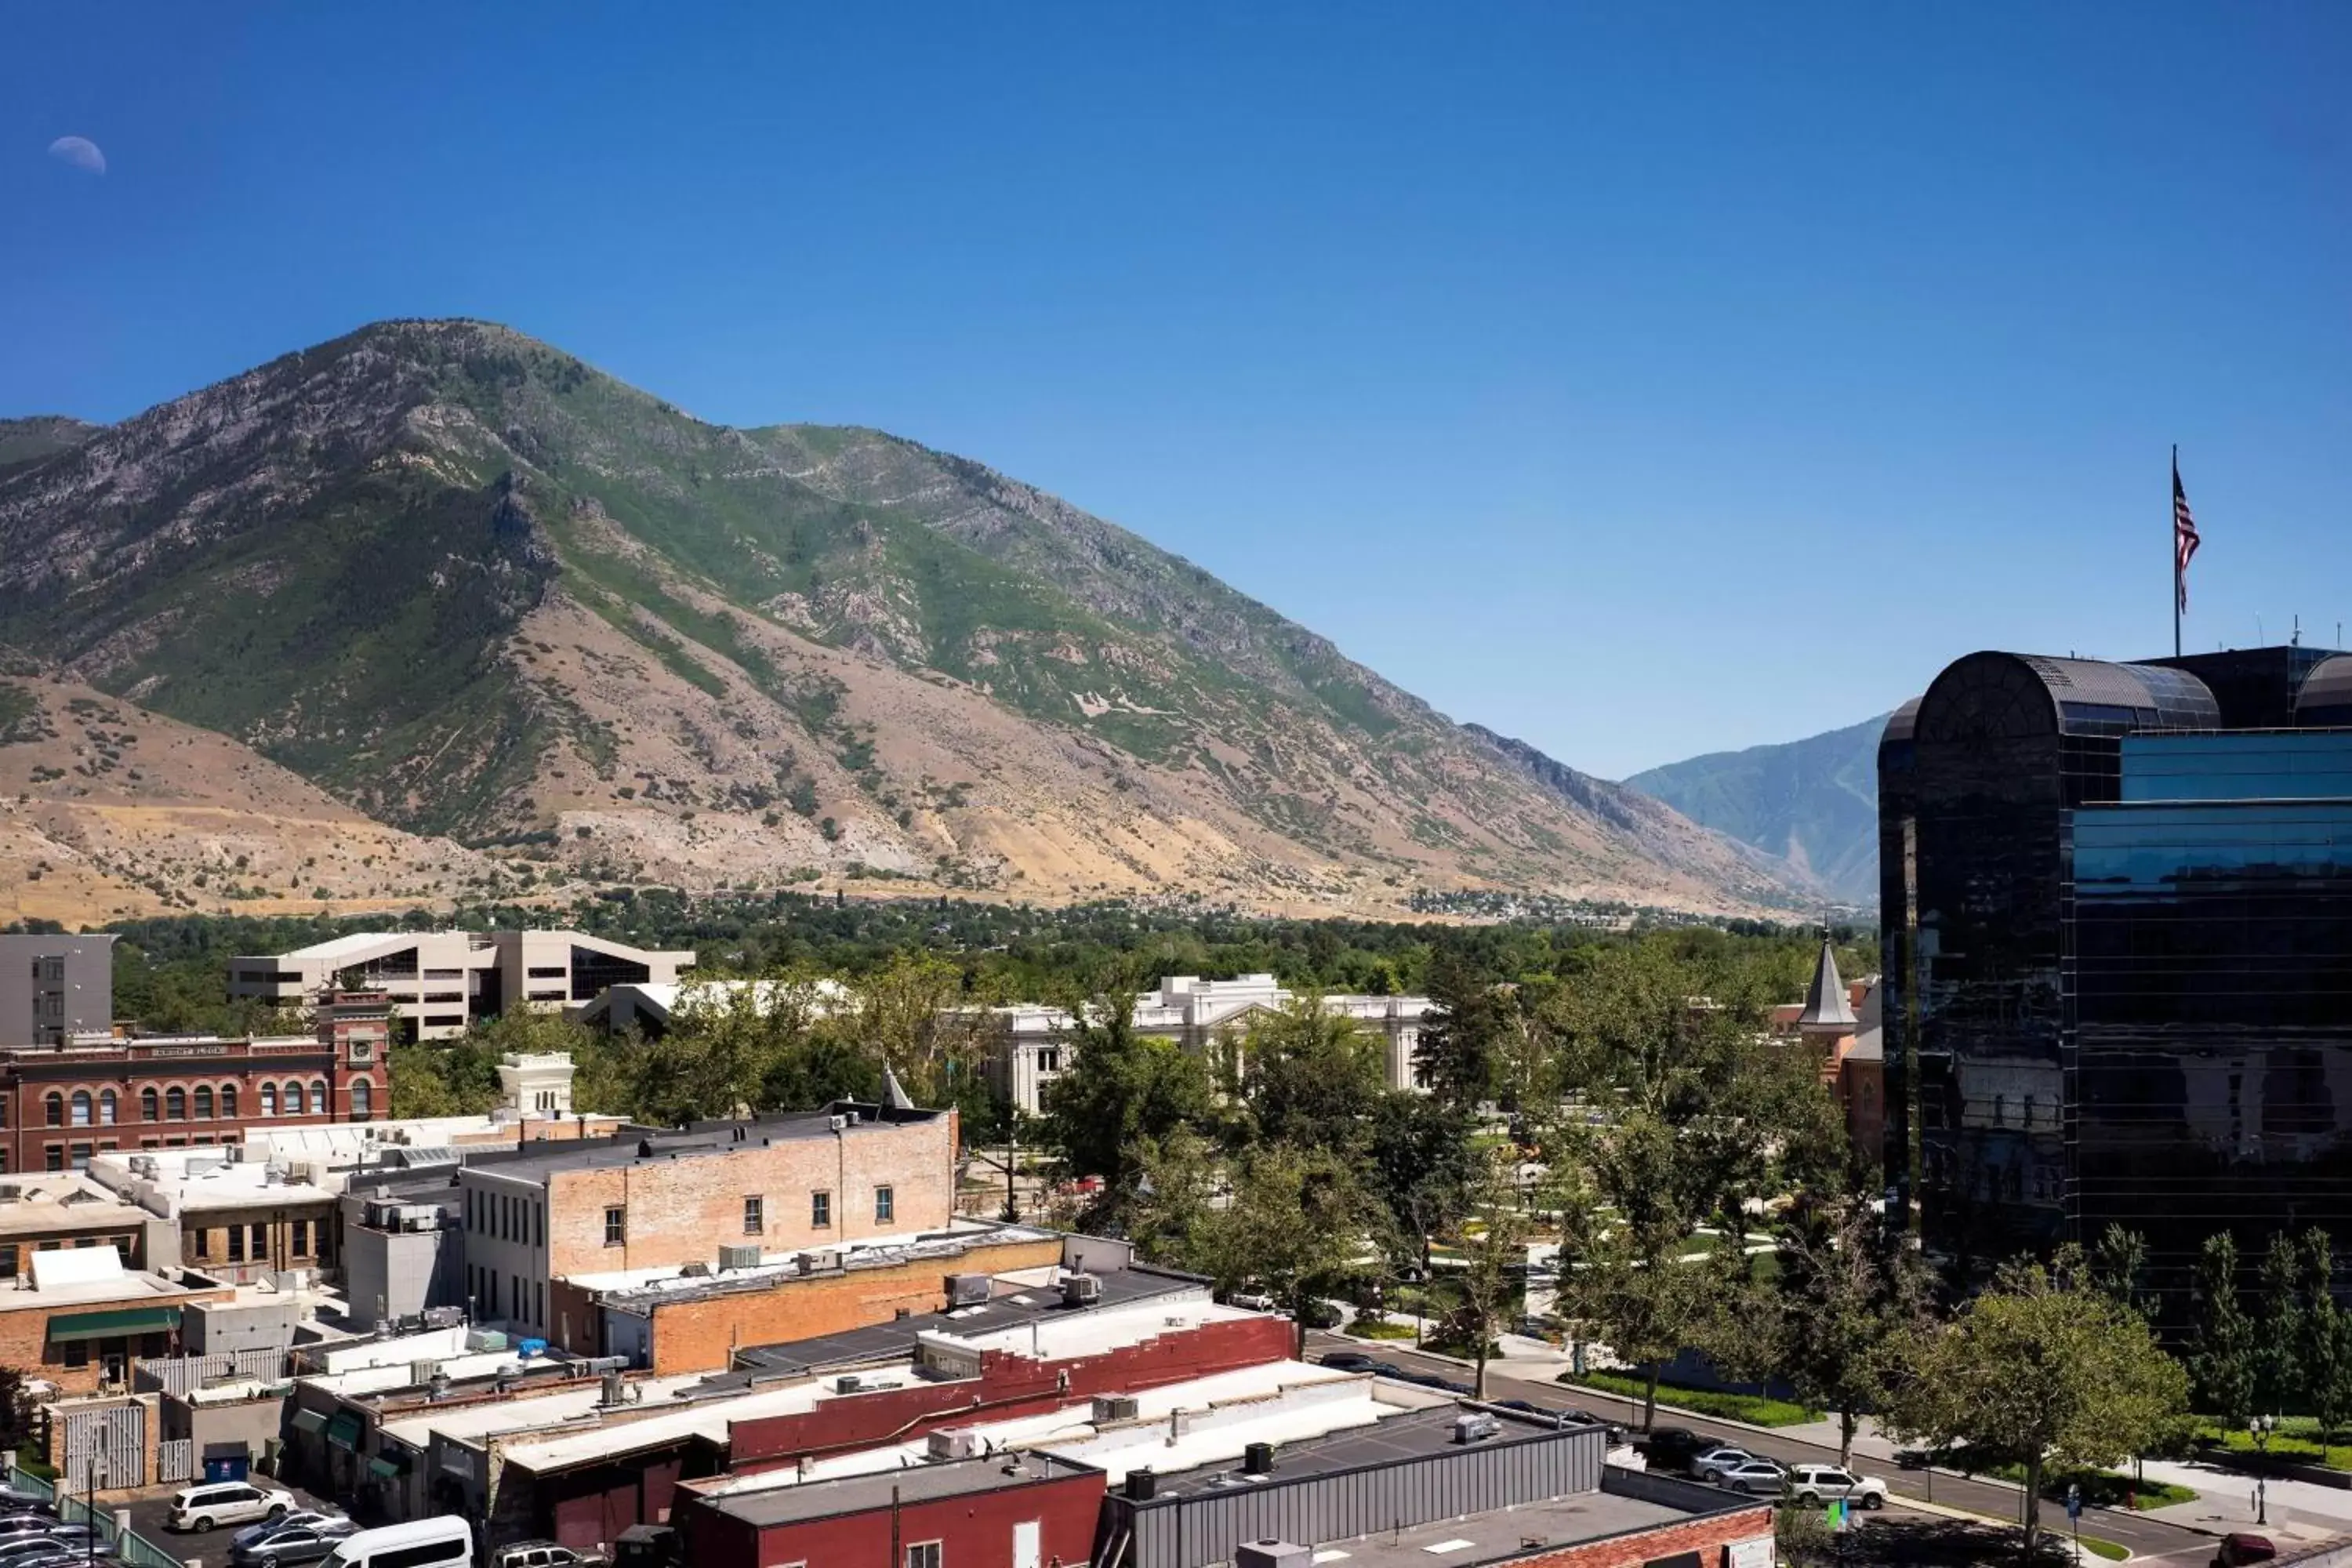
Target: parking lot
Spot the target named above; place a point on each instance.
(150, 1508)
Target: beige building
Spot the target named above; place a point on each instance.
(440, 982)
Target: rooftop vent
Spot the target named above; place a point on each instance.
(1475, 1428)
(1115, 1407)
(967, 1290)
(1270, 1554)
(1081, 1290)
(962, 1444)
(745, 1257)
(11, 1193)
(1142, 1486)
(1258, 1459)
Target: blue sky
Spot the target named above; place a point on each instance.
(1640, 380)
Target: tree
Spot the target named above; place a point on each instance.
(1299, 1226)
(913, 1015)
(2278, 1368)
(1311, 1076)
(2042, 1368)
(1422, 1166)
(715, 1060)
(1460, 1038)
(2118, 1265)
(1845, 1308)
(1121, 1089)
(2326, 1350)
(2222, 1357)
(1494, 1245)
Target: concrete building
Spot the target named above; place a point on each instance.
(61, 1104)
(440, 982)
(53, 987)
(54, 1213)
(656, 1200)
(1033, 1048)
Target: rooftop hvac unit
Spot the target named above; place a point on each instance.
(1114, 1407)
(233, 1152)
(698, 1269)
(615, 1390)
(420, 1373)
(443, 1317)
(847, 1383)
(1258, 1459)
(10, 1192)
(420, 1219)
(485, 1340)
(1142, 1486)
(823, 1262)
(1081, 1290)
(967, 1290)
(838, 1123)
(1270, 1554)
(961, 1444)
(745, 1257)
(1475, 1428)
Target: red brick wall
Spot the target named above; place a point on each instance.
(680, 1210)
(1707, 1537)
(1009, 1386)
(24, 1338)
(975, 1530)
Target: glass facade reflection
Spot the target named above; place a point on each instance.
(2118, 957)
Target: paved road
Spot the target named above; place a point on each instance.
(2146, 1537)
(149, 1508)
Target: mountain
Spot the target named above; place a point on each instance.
(1813, 802)
(470, 587)
(24, 442)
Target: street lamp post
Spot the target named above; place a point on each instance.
(2260, 1429)
(94, 1480)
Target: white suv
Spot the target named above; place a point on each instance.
(1827, 1483)
(227, 1503)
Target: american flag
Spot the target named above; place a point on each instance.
(2184, 537)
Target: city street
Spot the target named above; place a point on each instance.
(2150, 1538)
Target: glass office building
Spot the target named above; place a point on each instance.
(2117, 905)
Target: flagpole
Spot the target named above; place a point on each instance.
(2174, 536)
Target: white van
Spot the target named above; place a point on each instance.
(444, 1542)
(203, 1506)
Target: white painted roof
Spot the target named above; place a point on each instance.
(472, 1423)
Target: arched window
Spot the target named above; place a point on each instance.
(269, 1099)
(81, 1107)
(293, 1099)
(106, 1106)
(204, 1102)
(56, 1106)
(149, 1106)
(363, 1095)
(319, 1097)
(228, 1102)
(175, 1104)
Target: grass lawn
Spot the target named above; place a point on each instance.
(2297, 1438)
(2106, 1549)
(1751, 1408)
(2102, 1489)
(1380, 1329)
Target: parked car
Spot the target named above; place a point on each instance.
(1827, 1483)
(286, 1544)
(1722, 1457)
(17, 1500)
(1673, 1448)
(2239, 1548)
(226, 1502)
(1759, 1476)
(24, 1551)
(1321, 1315)
(1587, 1418)
(79, 1540)
(1346, 1361)
(26, 1524)
(326, 1523)
(538, 1554)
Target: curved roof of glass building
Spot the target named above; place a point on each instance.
(2325, 699)
(1902, 722)
(2026, 694)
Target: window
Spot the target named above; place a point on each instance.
(205, 1103)
(821, 1210)
(1049, 1059)
(236, 1243)
(755, 1220)
(53, 1158)
(923, 1554)
(269, 1099)
(298, 1239)
(538, 1295)
(7, 1259)
(886, 1205)
(106, 1106)
(426, 1556)
(616, 1225)
(148, 1106)
(260, 1244)
(122, 1247)
(76, 1353)
(80, 1161)
(81, 1241)
(175, 1104)
(293, 1099)
(362, 1099)
(542, 1209)
(228, 1102)
(56, 1106)
(81, 1107)
(319, 1097)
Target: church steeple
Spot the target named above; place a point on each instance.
(1827, 1011)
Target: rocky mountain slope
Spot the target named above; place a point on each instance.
(1813, 802)
(470, 587)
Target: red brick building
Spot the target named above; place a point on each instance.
(60, 1104)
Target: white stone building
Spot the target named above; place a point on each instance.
(1034, 1047)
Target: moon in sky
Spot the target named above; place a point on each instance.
(80, 152)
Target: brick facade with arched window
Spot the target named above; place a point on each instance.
(61, 1104)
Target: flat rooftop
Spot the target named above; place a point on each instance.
(128, 1288)
(1020, 1298)
(923, 1483)
(490, 1417)
(1506, 1533)
(63, 1201)
(639, 1288)
(1392, 1440)
(635, 1146)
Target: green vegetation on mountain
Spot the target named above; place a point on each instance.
(468, 585)
(1813, 802)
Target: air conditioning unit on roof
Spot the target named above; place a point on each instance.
(1114, 1407)
(957, 1444)
(742, 1256)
